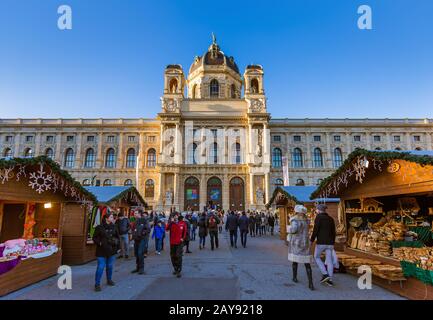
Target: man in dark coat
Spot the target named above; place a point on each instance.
(232, 225)
(324, 232)
(212, 225)
(271, 223)
(140, 232)
(243, 228)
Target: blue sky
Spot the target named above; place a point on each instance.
(317, 62)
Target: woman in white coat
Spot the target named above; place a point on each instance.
(299, 244)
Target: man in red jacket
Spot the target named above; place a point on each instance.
(178, 230)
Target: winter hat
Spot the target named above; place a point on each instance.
(322, 207)
(300, 209)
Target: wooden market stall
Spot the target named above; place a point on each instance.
(387, 201)
(78, 247)
(285, 198)
(35, 198)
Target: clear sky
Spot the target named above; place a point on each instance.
(317, 62)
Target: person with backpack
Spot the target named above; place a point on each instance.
(202, 230)
(123, 227)
(178, 232)
(212, 225)
(158, 235)
(243, 228)
(232, 226)
(106, 239)
(139, 234)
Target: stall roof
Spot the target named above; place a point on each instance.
(299, 194)
(111, 193)
(421, 157)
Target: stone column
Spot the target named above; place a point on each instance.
(388, 141)
(176, 191)
(203, 191)
(348, 143)
(408, 141)
(160, 190)
(58, 153)
(99, 156)
(252, 189)
(267, 188)
(226, 193)
(161, 138)
(17, 142)
(309, 164)
(328, 157)
(38, 144)
(78, 151)
(120, 153)
(250, 143)
(368, 138)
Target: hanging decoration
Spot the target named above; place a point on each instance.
(40, 180)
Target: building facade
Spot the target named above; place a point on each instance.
(213, 140)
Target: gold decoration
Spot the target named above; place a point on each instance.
(393, 167)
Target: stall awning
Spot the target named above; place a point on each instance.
(112, 193)
(300, 194)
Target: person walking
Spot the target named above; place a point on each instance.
(194, 222)
(139, 234)
(324, 232)
(221, 221)
(185, 219)
(202, 230)
(252, 225)
(232, 226)
(106, 239)
(258, 221)
(147, 220)
(271, 223)
(263, 224)
(123, 227)
(299, 244)
(243, 228)
(212, 226)
(178, 231)
(158, 235)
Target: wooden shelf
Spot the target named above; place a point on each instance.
(364, 212)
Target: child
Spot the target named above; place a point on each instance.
(158, 235)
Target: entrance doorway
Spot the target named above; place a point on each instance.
(214, 191)
(237, 194)
(192, 194)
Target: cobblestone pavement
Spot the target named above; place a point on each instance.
(260, 271)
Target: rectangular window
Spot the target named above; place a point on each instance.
(337, 138)
(29, 138)
(297, 138)
(90, 138)
(131, 138)
(151, 139)
(397, 138)
(50, 139)
(277, 138)
(417, 138)
(357, 138)
(69, 138)
(376, 138)
(110, 139)
(9, 139)
(317, 138)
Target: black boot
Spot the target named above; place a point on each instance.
(310, 276)
(295, 272)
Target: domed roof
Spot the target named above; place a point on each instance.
(214, 57)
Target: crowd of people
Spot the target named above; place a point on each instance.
(113, 236)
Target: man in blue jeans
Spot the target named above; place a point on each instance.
(324, 231)
(123, 228)
(139, 234)
(147, 234)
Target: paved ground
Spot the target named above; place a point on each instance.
(261, 271)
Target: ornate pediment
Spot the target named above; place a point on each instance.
(256, 105)
(170, 105)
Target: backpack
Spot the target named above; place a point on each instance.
(212, 222)
(123, 226)
(140, 230)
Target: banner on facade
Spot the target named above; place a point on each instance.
(286, 171)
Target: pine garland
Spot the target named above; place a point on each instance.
(423, 160)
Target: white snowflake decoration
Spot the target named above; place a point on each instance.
(40, 180)
(5, 174)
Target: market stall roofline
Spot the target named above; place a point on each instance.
(112, 193)
(44, 160)
(421, 157)
(299, 194)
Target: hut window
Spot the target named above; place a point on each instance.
(277, 158)
(110, 159)
(107, 183)
(297, 161)
(69, 158)
(149, 190)
(151, 158)
(90, 158)
(130, 158)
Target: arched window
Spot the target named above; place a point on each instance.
(107, 183)
(194, 91)
(49, 153)
(28, 153)
(86, 182)
(192, 154)
(236, 152)
(69, 158)
(279, 182)
(130, 158)
(300, 182)
(151, 158)
(213, 153)
(89, 161)
(297, 161)
(173, 85)
(7, 153)
(398, 149)
(377, 149)
(254, 86)
(214, 88)
(110, 159)
(277, 158)
(418, 149)
(233, 91)
(149, 189)
(128, 183)
(338, 158)
(317, 158)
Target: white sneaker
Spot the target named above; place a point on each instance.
(158, 253)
